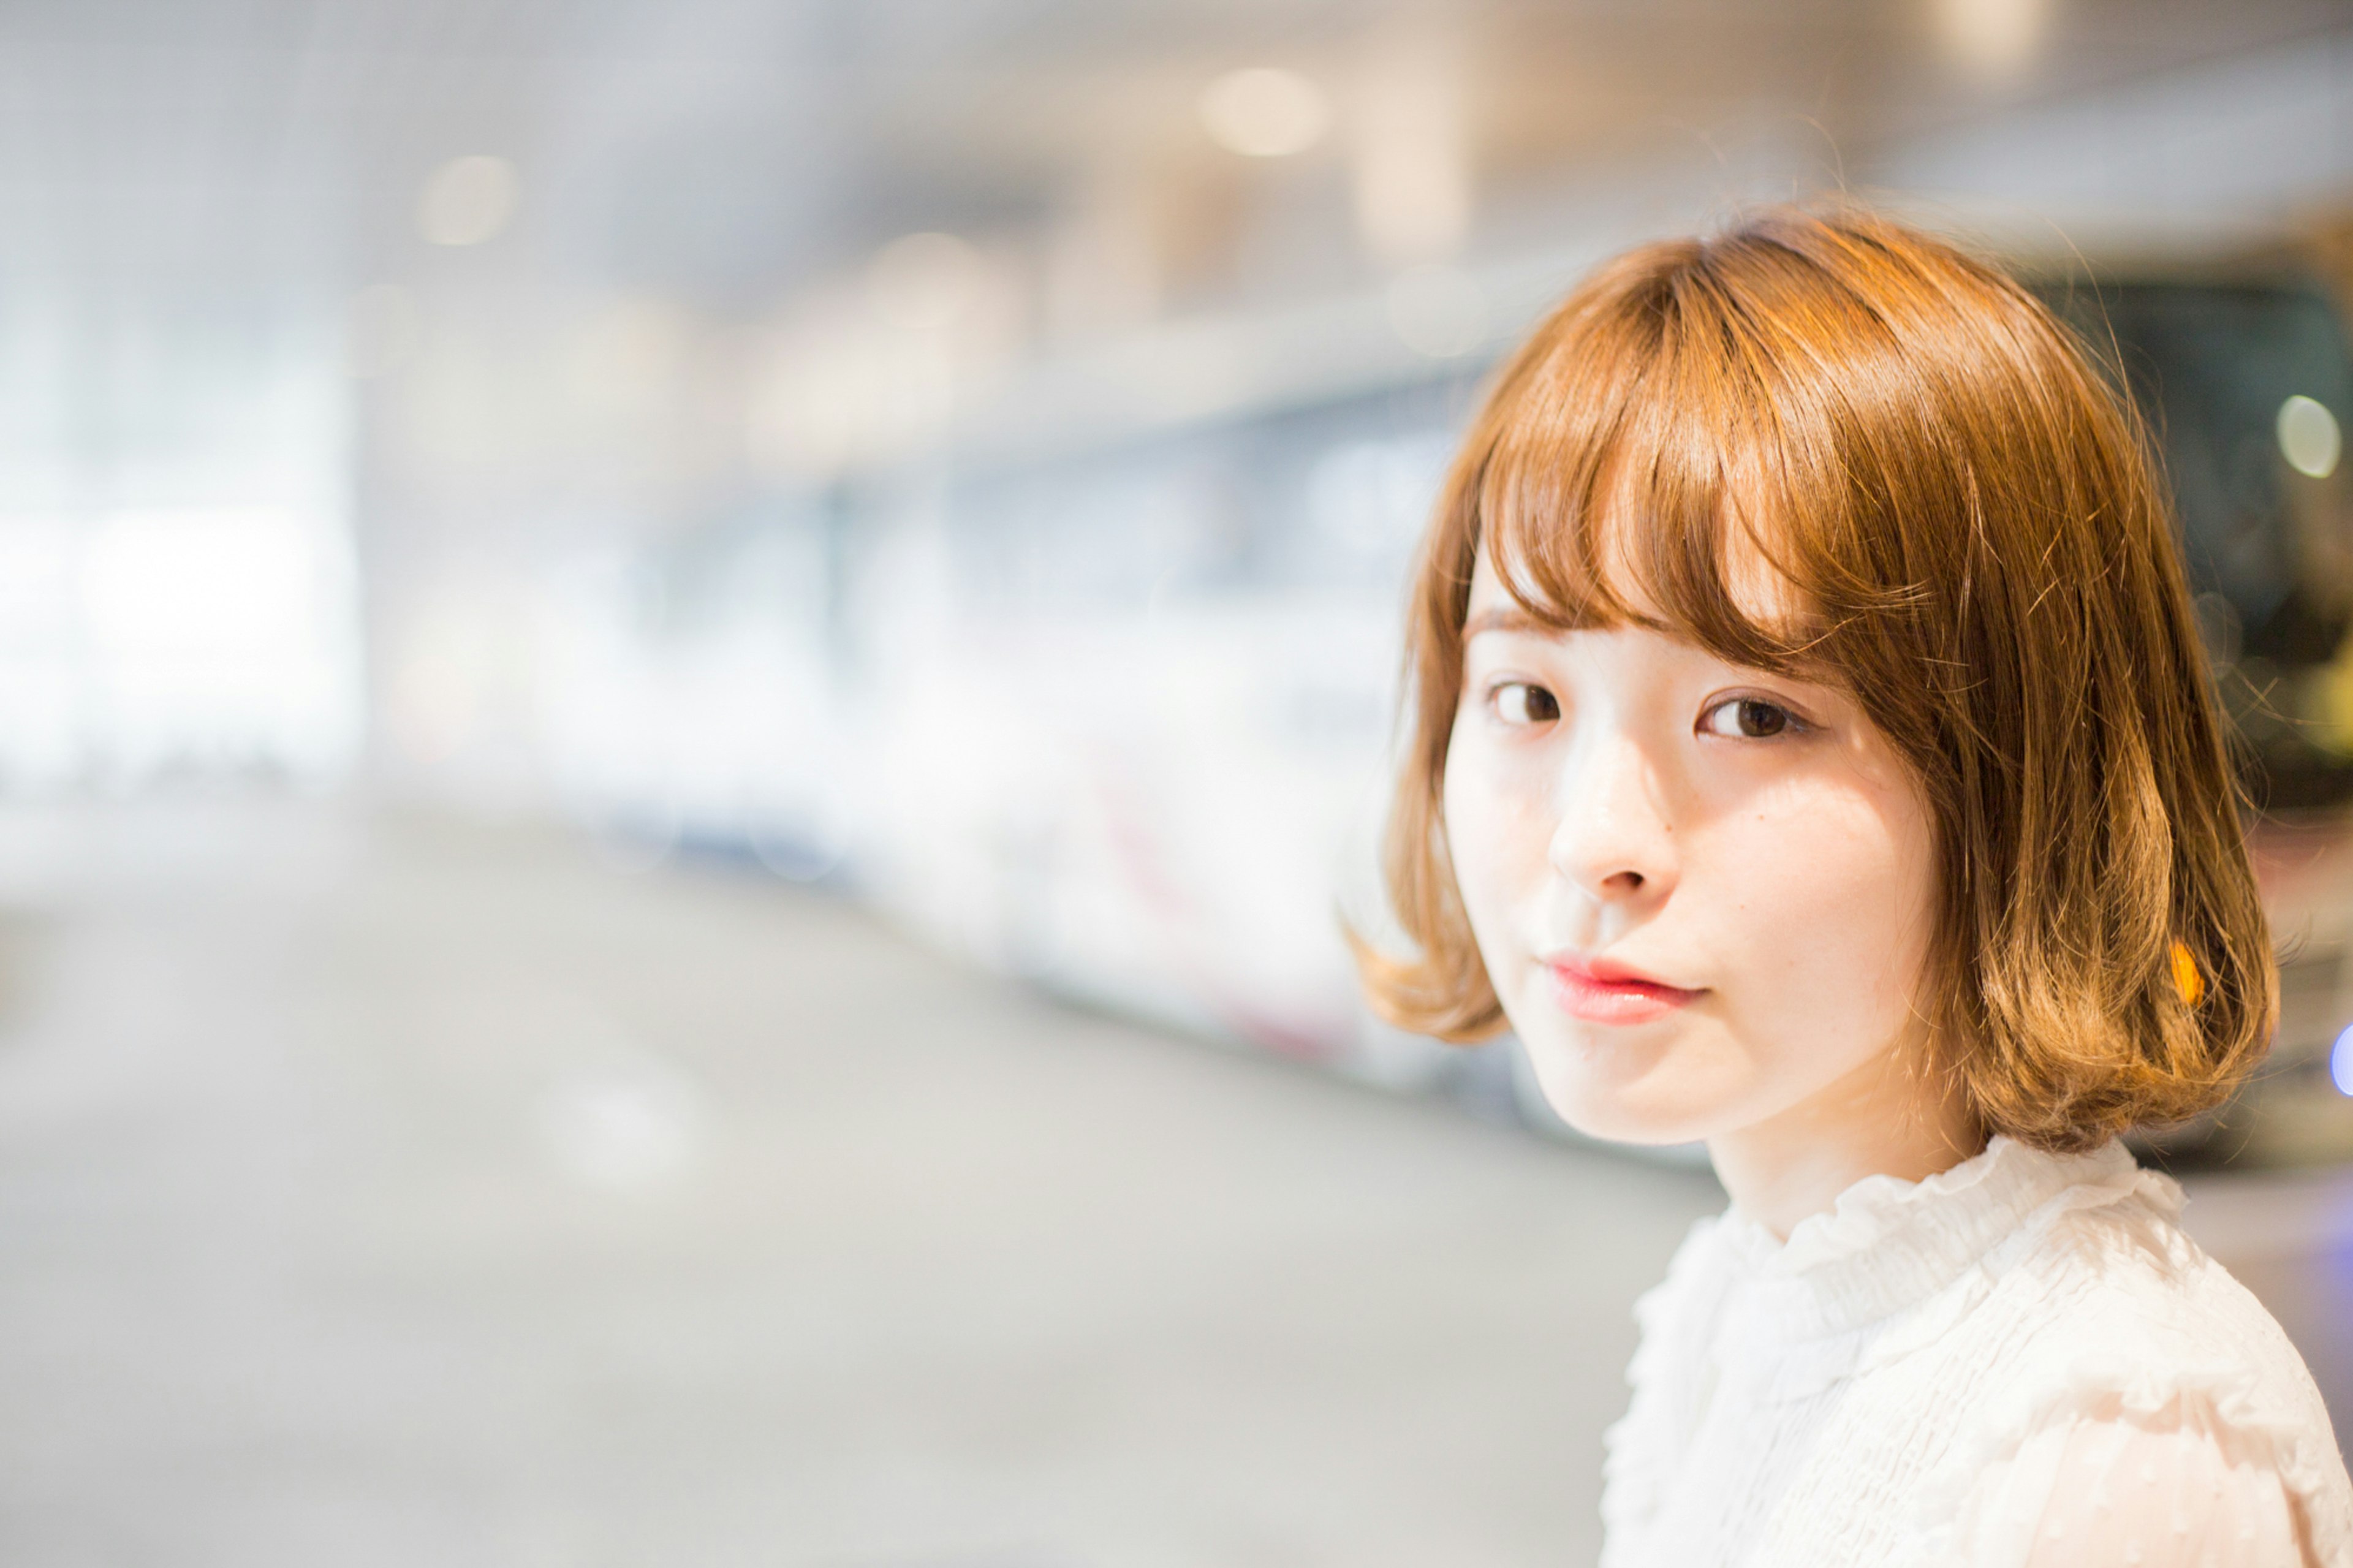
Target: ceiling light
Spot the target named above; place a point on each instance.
(1413, 171)
(1263, 113)
(467, 201)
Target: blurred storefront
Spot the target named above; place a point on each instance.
(581, 585)
(968, 458)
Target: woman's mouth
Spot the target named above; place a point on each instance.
(1600, 992)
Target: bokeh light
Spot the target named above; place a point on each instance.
(2308, 437)
(1993, 38)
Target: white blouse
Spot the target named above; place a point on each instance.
(2020, 1361)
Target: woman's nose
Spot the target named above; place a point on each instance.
(1613, 838)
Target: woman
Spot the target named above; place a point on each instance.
(1812, 755)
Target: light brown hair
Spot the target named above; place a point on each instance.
(1972, 522)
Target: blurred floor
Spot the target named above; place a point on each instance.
(389, 1192)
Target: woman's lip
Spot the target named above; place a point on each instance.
(1604, 993)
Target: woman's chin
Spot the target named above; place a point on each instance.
(1636, 1113)
(1639, 1132)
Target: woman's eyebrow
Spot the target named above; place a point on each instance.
(1501, 618)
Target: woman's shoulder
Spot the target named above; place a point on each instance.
(2172, 1487)
(2116, 1296)
(2124, 1265)
(2105, 1335)
(2089, 1331)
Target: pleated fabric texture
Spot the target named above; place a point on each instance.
(2020, 1361)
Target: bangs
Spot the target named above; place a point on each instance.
(1663, 466)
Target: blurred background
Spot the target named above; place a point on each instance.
(689, 692)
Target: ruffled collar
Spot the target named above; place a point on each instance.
(1888, 1244)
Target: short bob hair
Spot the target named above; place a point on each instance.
(1970, 519)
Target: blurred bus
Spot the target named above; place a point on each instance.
(1116, 716)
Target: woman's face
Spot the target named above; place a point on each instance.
(1703, 893)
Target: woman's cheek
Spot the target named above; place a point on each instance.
(1496, 840)
(1842, 926)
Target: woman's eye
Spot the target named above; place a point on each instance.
(1517, 702)
(1749, 719)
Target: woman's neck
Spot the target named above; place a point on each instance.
(1885, 1118)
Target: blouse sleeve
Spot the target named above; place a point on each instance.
(2173, 1488)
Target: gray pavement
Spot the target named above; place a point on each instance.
(388, 1191)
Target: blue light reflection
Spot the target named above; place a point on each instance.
(2340, 1062)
